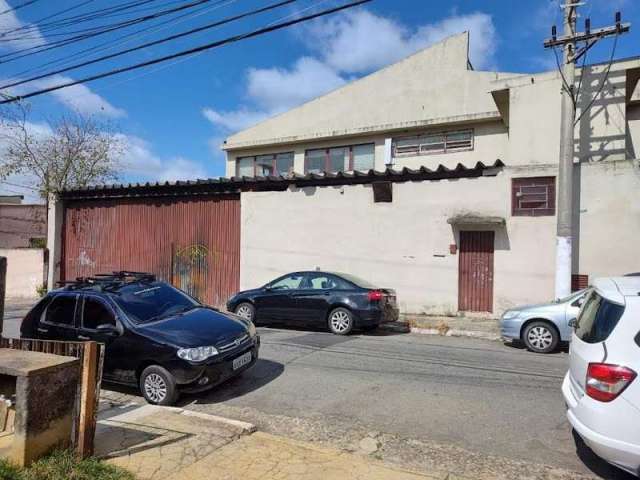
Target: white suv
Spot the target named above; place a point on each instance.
(601, 389)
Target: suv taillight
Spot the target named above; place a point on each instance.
(605, 381)
(375, 295)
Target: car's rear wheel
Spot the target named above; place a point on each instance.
(246, 310)
(540, 337)
(340, 321)
(158, 386)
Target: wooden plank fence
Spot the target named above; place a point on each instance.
(91, 356)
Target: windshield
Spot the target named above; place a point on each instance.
(147, 302)
(357, 281)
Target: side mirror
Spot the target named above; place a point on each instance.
(573, 323)
(268, 288)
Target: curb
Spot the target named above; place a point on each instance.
(400, 327)
(456, 333)
(145, 410)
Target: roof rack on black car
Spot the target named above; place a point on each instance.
(107, 281)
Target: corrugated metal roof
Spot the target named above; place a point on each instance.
(280, 182)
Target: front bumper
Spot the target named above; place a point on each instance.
(510, 328)
(620, 453)
(198, 378)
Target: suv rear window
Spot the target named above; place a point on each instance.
(597, 319)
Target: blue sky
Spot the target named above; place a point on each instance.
(173, 117)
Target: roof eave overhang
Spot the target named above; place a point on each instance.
(391, 128)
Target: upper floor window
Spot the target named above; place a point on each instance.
(533, 196)
(431, 143)
(265, 165)
(340, 159)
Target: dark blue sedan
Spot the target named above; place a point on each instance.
(338, 301)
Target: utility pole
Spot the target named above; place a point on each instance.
(569, 43)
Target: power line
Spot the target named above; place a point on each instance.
(209, 46)
(155, 42)
(106, 29)
(121, 40)
(18, 7)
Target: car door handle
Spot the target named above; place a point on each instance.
(82, 337)
(43, 330)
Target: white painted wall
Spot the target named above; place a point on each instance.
(25, 271)
(403, 244)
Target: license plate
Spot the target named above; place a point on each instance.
(242, 360)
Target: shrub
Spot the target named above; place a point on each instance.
(64, 465)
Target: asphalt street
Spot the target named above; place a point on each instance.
(478, 396)
(482, 396)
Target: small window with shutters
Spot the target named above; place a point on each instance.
(533, 196)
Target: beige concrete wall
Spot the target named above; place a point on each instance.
(25, 271)
(403, 245)
(609, 228)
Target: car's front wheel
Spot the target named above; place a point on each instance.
(540, 337)
(158, 386)
(246, 310)
(340, 321)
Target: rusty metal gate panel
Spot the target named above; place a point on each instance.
(475, 272)
(192, 242)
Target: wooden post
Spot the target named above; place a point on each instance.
(3, 283)
(88, 397)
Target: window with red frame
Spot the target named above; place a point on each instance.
(265, 165)
(340, 159)
(533, 196)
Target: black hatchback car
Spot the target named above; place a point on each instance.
(338, 301)
(157, 337)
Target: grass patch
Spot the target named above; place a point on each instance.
(64, 466)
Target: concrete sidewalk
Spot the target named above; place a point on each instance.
(459, 326)
(157, 443)
(262, 456)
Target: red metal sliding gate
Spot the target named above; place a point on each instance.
(192, 242)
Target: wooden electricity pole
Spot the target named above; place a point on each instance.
(569, 42)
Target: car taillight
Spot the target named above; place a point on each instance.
(375, 295)
(605, 381)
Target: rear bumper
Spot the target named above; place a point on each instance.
(376, 317)
(622, 454)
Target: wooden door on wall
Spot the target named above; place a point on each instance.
(475, 271)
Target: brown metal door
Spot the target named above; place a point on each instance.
(475, 273)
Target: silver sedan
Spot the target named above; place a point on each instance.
(542, 327)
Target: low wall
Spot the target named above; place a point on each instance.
(25, 271)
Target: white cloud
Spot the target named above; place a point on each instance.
(140, 163)
(360, 41)
(18, 40)
(234, 120)
(277, 89)
(347, 46)
(79, 98)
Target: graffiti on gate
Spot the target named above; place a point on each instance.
(191, 265)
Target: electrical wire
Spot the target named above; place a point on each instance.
(111, 44)
(18, 7)
(15, 55)
(208, 46)
(154, 42)
(602, 84)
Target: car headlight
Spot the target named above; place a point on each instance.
(510, 314)
(197, 354)
(251, 328)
